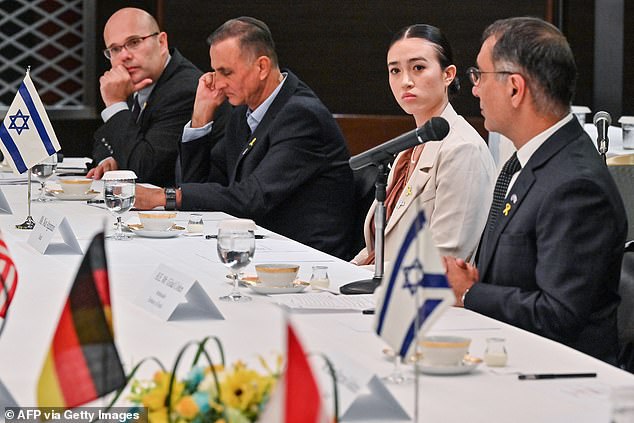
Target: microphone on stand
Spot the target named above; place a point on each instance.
(602, 121)
(434, 129)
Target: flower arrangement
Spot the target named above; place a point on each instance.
(211, 393)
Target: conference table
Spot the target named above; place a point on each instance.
(258, 327)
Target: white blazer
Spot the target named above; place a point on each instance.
(453, 183)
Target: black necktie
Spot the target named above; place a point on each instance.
(510, 168)
(136, 108)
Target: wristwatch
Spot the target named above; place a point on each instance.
(170, 198)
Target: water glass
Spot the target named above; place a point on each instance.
(119, 196)
(236, 246)
(42, 171)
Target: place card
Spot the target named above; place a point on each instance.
(362, 394)
(45, 228)
(172, 295)
(5, 208)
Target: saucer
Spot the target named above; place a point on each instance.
(465, 366)
(61, 195)
(172, 232)
(298, 286)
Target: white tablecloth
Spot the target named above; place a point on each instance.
(257, 327)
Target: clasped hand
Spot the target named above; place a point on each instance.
(116, 85)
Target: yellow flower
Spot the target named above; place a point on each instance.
(158, 416)
(187, 407)
(244, 388)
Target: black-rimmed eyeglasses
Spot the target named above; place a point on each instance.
(130, 45)
(475, 75)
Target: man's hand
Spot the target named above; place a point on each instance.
(103, 167)
(116, 85)
(148, 198)
(208, 99)
(461, 276)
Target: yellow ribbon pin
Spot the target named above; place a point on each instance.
(507, 209)
(409, 190)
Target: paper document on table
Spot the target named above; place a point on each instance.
(324, 301)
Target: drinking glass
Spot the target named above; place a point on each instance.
(42, 171)
(119, 197)
(236, 246)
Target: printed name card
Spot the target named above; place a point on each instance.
(172, 295)
(5, 208)
(45, 228)
(362, 395)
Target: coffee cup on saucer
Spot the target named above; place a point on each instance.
(75, 186)
(277, 275)
(157, 220)
(444, 350)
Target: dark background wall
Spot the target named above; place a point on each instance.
(339, 47)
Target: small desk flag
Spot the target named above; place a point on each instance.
(8, 278)
(82, 363)
(26, 133)
(417, 271)
(298, 381)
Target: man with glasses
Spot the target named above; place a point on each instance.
(149, 94)
(550, 256)
(283, 161)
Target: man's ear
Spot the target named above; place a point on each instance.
(264, 66)
(517, 89)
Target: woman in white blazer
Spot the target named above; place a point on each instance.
(451, 180)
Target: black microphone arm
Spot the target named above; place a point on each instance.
(602, 120)
(435, 129)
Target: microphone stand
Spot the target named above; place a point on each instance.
(367, 286)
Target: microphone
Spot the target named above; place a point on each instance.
(602, 121)
(434, 129)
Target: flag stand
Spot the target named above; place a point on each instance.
(29, 223)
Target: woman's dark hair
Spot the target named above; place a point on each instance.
(434, 36)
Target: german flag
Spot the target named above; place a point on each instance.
(82, 363)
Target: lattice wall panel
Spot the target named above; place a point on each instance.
(47, 35)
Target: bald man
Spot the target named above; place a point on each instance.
(149, 93)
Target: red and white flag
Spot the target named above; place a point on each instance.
(297, 398)
(8, 278)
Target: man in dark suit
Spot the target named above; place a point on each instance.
(148, 93)
(283, 161)
(550, 257)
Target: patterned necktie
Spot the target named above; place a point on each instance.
(136, 108)
(511, 167)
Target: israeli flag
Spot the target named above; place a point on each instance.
(417, 271)
(26, 133)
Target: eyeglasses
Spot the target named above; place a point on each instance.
(475, 74)
(130, 45)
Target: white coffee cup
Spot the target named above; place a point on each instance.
(157, 220)
(75, 186)
(277, 275)
(444, 350)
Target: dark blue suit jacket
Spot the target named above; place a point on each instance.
(291, 175)
(552, 265)
(149, 147)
